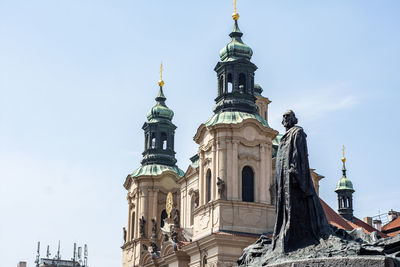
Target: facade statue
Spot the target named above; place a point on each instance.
(124, 232)
(221, 187)
(300, 220)
(175, 217)
(154, 228)
(142, 223)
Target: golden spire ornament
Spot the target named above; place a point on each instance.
(161, 82)
(344, 158)
(235, 15)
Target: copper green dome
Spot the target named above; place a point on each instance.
(235, 49)
(344, 184)
(160, 110)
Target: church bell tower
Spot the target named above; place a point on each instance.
(345, 190)
(235, 74)
(148, 186)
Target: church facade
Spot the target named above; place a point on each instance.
(207, 215)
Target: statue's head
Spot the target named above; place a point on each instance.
(289, 119)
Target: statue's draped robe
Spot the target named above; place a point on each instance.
(300, 218)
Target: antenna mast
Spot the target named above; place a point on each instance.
(74, 258)
(58, 257)
(85, 260)
(80, 255)
(38, 255)
(48, 252)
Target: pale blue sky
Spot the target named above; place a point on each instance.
(78, 77)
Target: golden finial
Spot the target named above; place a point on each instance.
(161, 82)
(169, 205)
(235, 15)
(344, 158)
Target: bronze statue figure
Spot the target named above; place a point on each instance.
(300, 218)
(302, 235)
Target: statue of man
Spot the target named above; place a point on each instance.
(300, 219)
(221, 187)
(154, 228)
(142, 222)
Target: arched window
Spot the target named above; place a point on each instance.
(247, 184)
(133, 226)
(204, 261)
(242, 82)
(208, 185)
(230, 83)
(153, 140)
(146, 141)
(221, 85)
(164, 140)
(164, 215)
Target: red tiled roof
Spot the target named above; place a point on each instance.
(338, 221)
(393, 224)
(393, 233)
(334, 218)
(357, 223)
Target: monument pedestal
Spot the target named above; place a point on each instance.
(373, 261)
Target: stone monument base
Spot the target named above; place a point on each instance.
(375, 261)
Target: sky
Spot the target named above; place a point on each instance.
(77, 79)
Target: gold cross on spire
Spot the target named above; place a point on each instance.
(235, 15)
(161, 82)
(344, 158)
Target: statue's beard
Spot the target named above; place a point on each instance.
(288, 124)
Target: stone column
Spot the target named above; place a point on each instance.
(263, 176)
(155, 206)
(136, 230)
(235, 177)
(201, 179)
(214, 171)
(229, 169)
(144, 208)
(184, 208)
(129, 229)
(220, 163)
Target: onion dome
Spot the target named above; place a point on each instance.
(235, 49)
(160, 110)
(344, 183)
(257, 90)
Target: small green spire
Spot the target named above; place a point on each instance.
(344, 183)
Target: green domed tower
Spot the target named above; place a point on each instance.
(159, 133)
(235, 74)
(345, 190)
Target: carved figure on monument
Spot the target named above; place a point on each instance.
(175, 217)
(174, 236)
(142, 223)
(166, 237)
(300, 219)
(221, 187)
(155, 253)
(195, 197)
(154, 228)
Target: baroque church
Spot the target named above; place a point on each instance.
(224, 201)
